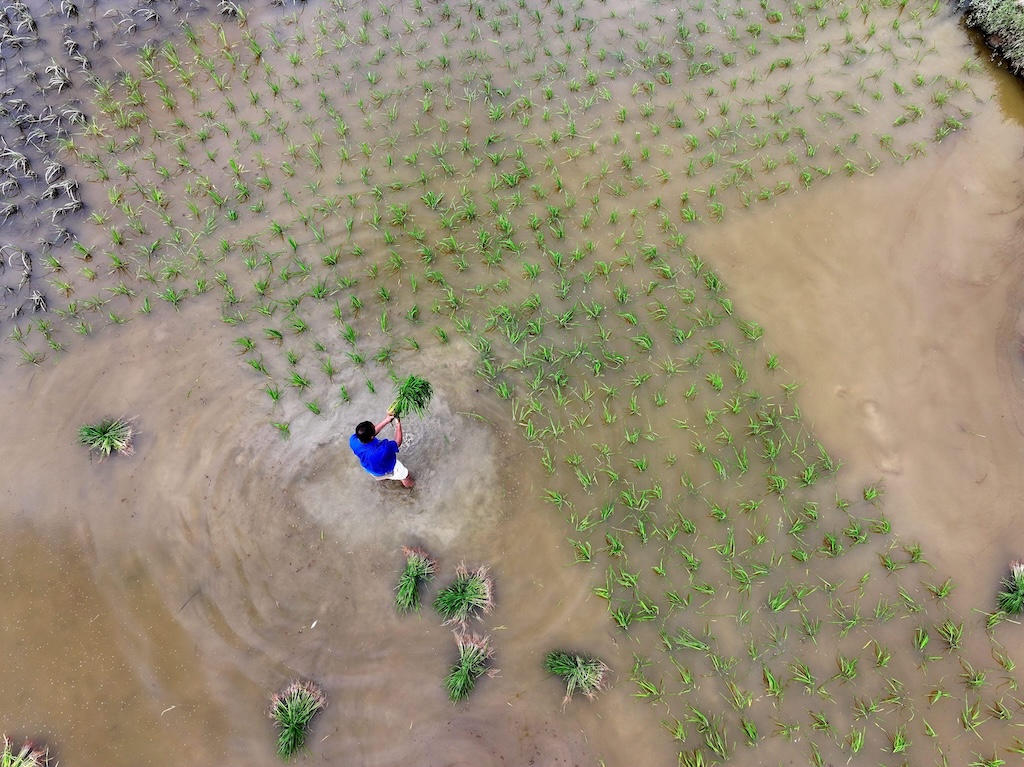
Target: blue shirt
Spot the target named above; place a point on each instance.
(377, 456)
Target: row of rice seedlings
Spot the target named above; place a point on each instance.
(41, 194)
(642, 597)
(846, 667)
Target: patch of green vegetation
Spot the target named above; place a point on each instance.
(520, 180)
(419, 569)
(29, 755)
(1012, 599)
(470, 594)
(293, 711)
(413, 396)
(474, 653)
(581, 673)
(111, 435)
(1002, 22)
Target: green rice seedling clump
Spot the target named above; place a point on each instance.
(27, 756)
(413, 395)
(111, 435)
(1002, 21)
(581, 672)
(293, 710)
(474, 652)
(419, 568)
(471, 593)
(1012, 600)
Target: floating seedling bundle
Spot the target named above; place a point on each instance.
(1012, 599)
(111, 435)
(470, 595)
(29, 755)
(474, 654)
(419, 569)
(293, 711)
(581, 673)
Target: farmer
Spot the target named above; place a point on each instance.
(380, 456)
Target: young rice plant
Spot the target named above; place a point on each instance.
(111, 435)
(293, 710)
(27, 756)
(581, 673)
(472, 593)
(419, 568)
(1012, 600)
(474, 652)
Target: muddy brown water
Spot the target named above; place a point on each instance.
(896, 301)
(153, 602)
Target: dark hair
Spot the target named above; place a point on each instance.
(366, 431)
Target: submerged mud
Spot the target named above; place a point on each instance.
(186, 583)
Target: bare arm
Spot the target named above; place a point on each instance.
(398, 428)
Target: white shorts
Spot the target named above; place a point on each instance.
(399, 472)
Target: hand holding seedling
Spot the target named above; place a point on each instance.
(392, 418)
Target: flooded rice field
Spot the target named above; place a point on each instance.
(721, 307)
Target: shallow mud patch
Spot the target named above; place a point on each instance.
(452, 460)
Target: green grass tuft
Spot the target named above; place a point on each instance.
(470, 594)
(413, 395)
(474, 652)
(1002, 21)
(581, 672)
(28, 756)
(293, 710)
(108, 436)
(419, 568)
(1012, 600)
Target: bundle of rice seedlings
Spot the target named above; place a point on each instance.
(413, 395)
(28, 756)
(474, 652)
(293, 710)
(470, 594)
(419, 568)
(580, 672)
(1012, 600)
(108, 436)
